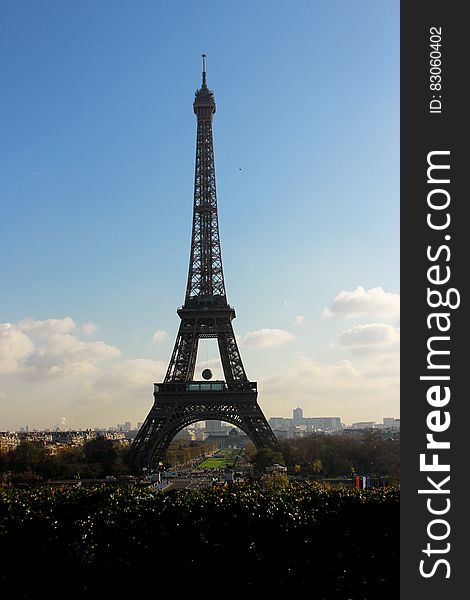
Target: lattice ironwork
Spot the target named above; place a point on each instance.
(176, 408)
(179, 401)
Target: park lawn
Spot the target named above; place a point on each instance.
(223, 458)
(217, 463)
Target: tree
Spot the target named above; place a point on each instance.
(29, 456)
(102, 452)
(317, 466)
(369, 453)
(265, 457)
(68, 462)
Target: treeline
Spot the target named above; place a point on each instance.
(370, 453)
(329, 455)
(33, 461)
(315, 455)
(254, 541)
(179, 454)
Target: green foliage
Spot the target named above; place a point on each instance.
(34, 461)
(276, 481)
(101, 453)
(266, 457)
(29, 456)
(281, 540)
(328, 455)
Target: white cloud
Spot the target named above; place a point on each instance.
(94, 399)
(373, 303)
(35, 327)
(370, 335)
(45, 349)
(14, 348)
(214, 364)
(266, 338)
(64, 354)
(86, 376)
(307, 375)
(89, 328)
(340, 388)
(135, 375)
(211, 363)
(375, 346)
(160, 335)
(299, 320)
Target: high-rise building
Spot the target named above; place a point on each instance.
(212, 426)
(298, 415)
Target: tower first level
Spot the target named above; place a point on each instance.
(178, 405)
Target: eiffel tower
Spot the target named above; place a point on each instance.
(180, 400)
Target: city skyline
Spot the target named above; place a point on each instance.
(129, 425)
(99, 175)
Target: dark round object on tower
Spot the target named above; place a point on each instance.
(207, 374)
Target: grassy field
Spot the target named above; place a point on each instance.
(220, 460)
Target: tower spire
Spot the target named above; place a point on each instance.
(204, 70)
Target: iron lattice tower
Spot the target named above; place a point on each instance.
(180, 401)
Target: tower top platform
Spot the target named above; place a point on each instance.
(204, 102)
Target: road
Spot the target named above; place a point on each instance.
(188, 484)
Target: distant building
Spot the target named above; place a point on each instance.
(218, 437)
(276, 468)
(115, 436)
(279, 422)
(298, 415)
(324, 423)
(228, 437)
(363, 425)
(299, 425)
(213, 426)
(185, 436)
(8, 441)
(125, 427)
(199, 435)
(391, 423)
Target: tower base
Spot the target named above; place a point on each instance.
(178, 405)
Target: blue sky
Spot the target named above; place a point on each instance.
(96, 170)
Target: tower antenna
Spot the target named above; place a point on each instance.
(203, 69)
